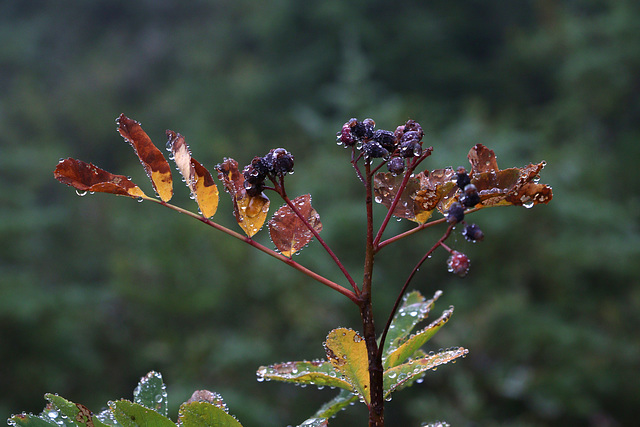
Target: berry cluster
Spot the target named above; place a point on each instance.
(395, 147)
(276, 163)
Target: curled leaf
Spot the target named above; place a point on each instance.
(196, 176)
(88, 177)
(288, 232)
(154, 163)
(513, 186)
(347, 352)
(250, 211)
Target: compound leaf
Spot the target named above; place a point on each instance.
(154, 163)
(320, 373)
(200, 182)
(86, 177)
(347, 351)
(288, 232)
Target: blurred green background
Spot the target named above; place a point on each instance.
(97, 291)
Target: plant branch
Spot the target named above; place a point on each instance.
(407, 175)
(344, 291)
(440, 242)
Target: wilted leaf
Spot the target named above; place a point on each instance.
(422, 194)
(196, 176)
(513, 186)
(86, 177)
(150, 156)
(131, 414)
(335, 405)
(250, 211)
(414, 309)
(320, 373)
(407, 348)
(347, 351)
(197, 414)
(152, 393)
(288, 232)
(411, 371)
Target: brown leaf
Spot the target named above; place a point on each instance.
(513, 186)
(155, 165)
(88, 177)
(196, 176)
(482, 159)
(423, 193)
(250, 211)
(288, 232)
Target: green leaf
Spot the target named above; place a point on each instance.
(414, 309)
(77, 414)
(30, 420)
(200, 414)
(315, 422)
(335, 405)
(413, 343)
(320, 373)
(347, 351)
(131, 414)
(414, 369)
(152, 393)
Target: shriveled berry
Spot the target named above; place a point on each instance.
(363, 130)
(455, 213)
(374, 150)
(473, 233)
(470, 196)
(458, 263)
(413, 126)
(396, 165)
(278, 161)
(385, 138)
(410, 148)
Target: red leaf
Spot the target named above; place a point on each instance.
(88, 177)
(154, 163)
(288, 232)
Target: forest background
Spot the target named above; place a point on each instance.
(97, 291)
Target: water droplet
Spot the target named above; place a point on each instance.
(260, 379)
(53, 414)
(378, 199)
(81, 193)
(528, 204)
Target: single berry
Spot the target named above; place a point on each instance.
(283, 161)
(362, 130)
(410, 148)
(374, 150)
(413, 126)
(463, 178)
(455, 213)
(385, 138)
(344, 137)
(473, 233)
(470, 197)
(396, 165)
(458, 263)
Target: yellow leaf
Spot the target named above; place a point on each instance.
(347, 351)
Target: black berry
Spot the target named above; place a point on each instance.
(455, 213)
(473, 233)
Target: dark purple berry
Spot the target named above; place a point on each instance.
(396, 165)
(463, 178)
(410, 148)
(283, 161)
(385, 138)
(458, 263)
(374, 150)
(473, 233)
(345, 137)
(470, 196)
(455, 214)
(413, 126)
(362, 130)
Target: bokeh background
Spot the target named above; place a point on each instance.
(97, 291)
